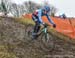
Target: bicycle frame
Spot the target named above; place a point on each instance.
(44, 30)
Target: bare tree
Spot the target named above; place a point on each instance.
(31, 6)
(53, 10)
(17, 10)
(14, 10)
(21, 10)
(5, 6)
(26, 7)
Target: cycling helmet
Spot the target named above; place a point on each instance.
(47, 8)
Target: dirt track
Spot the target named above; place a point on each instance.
(12, 36)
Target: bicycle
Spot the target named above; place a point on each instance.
(45, 37)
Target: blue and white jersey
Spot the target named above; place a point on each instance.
(39, 13)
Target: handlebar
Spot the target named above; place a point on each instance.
(46, 25)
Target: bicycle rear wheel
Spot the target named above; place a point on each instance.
(47, 42)
(28, 31)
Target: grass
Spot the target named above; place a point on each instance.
(62, 36)
(25, 21)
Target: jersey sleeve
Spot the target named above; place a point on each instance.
(49, 19)
(39, 16)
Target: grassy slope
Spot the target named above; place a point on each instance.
(14, 44)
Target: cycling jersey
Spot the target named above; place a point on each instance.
(37, 16)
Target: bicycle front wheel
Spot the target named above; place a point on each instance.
(47, 42)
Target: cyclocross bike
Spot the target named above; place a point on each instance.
(44, 36)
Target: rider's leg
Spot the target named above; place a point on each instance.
(37, 27)
(36, 30)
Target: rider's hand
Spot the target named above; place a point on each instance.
(54, 25)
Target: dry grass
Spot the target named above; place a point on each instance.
(25, 21)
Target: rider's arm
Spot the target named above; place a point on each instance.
(49, 19)
(39, 16)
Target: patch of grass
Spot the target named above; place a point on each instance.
(4, 52)
(25, 21)
(61, 36)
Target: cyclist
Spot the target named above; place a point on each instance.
(37, 18)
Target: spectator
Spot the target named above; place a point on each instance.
(63, 16)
